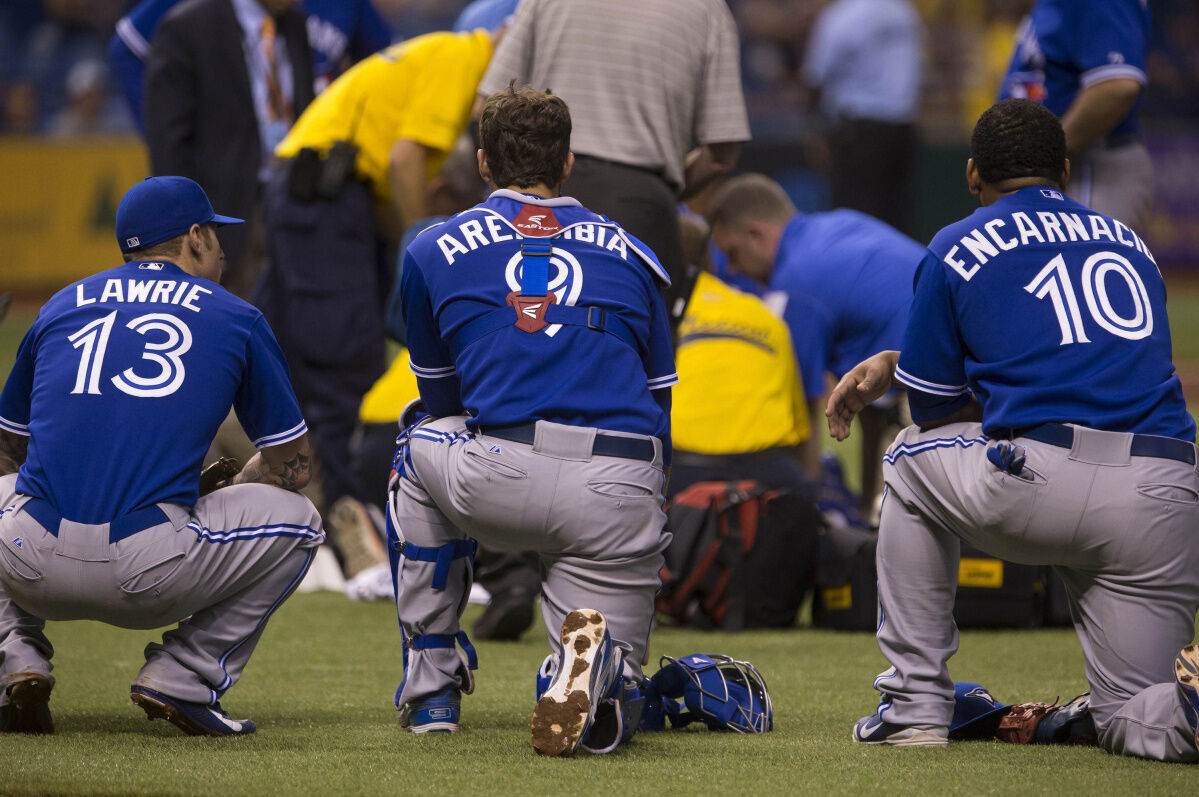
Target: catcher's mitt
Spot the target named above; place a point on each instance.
(218, 474)
(1019, 723)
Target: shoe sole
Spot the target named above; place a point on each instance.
(27, 704)
(562, 712)
(157, 710)
(434, 727)
(353, 532)
(910, 737)
(1186, 670)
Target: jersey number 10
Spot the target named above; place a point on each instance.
(93, 336)
(1054, 281)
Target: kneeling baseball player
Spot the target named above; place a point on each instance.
(542, 350)
(1051, 429)
(116, 395)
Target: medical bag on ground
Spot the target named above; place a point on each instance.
(993, 593)
(742, 556)
(846, 596)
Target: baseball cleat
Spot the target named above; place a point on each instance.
(435, 713)
(194, 719)
(1186, 670)
(28, 706)
(589, 671)
(875, 730)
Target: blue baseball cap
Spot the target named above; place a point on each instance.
(160, 208)
(976, 712)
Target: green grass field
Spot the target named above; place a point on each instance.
(320, 688)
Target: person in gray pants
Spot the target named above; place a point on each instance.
(115, 396)
(542, 350)
(1051, 429)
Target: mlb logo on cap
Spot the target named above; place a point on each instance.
(161, 208)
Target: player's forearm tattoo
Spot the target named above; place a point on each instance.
(290, 474)
(13, 449)
(294, 471)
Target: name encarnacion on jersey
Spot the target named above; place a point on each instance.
(1020, 228)
(474, 233)
(184, 294)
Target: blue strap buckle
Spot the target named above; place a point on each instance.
(439, 641)
(440, 555)
(593, 310)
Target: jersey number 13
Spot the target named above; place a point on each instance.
(93, 336)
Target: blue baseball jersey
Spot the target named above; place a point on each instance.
(844, 281)
(122, 381)
(1066, 45)
(1045, 311)
(336, 29)
(467, 268)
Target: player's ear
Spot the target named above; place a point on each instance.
(195, 239)
(973, 180)
(484, 169)
(570, 164)
(1065, 179)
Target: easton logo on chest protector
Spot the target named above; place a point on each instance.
(537, 221)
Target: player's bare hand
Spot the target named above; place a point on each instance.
(864, 383)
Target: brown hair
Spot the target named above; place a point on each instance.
(525, 136)
(750, 197)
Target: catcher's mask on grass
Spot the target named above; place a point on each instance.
(716, 690)
(976, 712)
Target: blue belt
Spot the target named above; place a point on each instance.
(592, 317)
(605, 445)
(120, 528)
(1143, 445)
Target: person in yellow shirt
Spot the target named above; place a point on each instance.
(350, 175)
(738, 410)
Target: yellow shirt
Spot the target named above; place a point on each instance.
(739, 388)
(421, 90)
(390, 393)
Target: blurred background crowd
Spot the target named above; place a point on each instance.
(55, 83)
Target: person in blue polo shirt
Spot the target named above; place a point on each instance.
(1051, 429)
(1085, 61)
(542, 351)
(116, 394)
(842, 281)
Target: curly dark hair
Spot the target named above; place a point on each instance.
(525, 135)
(1018, 138)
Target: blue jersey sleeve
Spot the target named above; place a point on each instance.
(265, 404)
(18, 390)
(429, 356)
(932, 360)
(659, 365)
(811, 329)
(1110, 41)
(371, 32)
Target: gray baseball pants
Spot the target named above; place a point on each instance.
(1122, 531)
(596, 522)
(1118, 182)
(225, 565)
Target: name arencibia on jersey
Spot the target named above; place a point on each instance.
(472, 232)
(184, 294)
(1049, 227)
